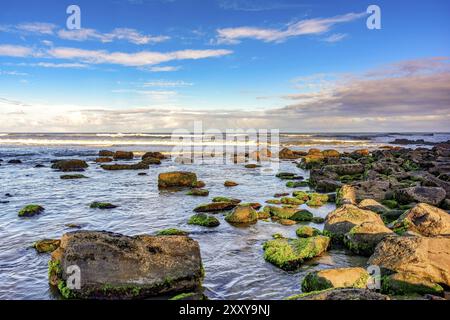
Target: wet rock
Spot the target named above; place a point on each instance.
(230, 184)
(424, 219)
(263, 215)
(345, 169)
(102, 205)
(31, 210)
(302, 216)
(252, 166)
(297, 184)
(72, 176)
(226, 199)
(281, 212)
(123, 155)
(423, 257)
(177, 179)
(289, 254)
(279, 195)
(190, 296)
(171, 232)
(198, 192)
(70, 165)
(106, 153)
(254, 205)
(342, 294)
(288, 176)
(152, 161)
(154, 155)
(372, 205)
(39, 165)
(409, 284)
(142, 173)
(204, 220)
(317, 200)
(335, 278)
(343, 219)
(215, 207)
(293, 201)
(242, 215)
(373, 189)
(318, 220)
(46, 245)
(307, 231)
(73, 226)
(118, 167)
(429, 195)
(362, 239)
(116, 266)
(15, 161)
(287, 154)
(103, 160)
(199, 184)
(287, 222)
(331, 153)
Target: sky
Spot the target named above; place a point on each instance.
(160, 65)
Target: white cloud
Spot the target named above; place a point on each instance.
(300, 28)
(15, 51)
(37, 27)
(164, 83)
(335, 37)
(164, 69)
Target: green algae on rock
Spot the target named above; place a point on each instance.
(204, 220)
(72, 176)
(215, 207)
(31, 210)
(182, 179)
(198, 192)
(46, 245)
(102, 205)
(172, 232)
(289, 254)
(307, 231)
(242, 215)
(335, 278)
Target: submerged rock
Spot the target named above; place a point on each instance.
(31, 210)
(152, 161)
(226, 199)
(46, 245)
(177, 179)
(70, 165)
(116, 266)
(102, 205)
(343, 219)
(242, 215)
(426, 258)
(103, 160)
(72, 176)
(335, 278)
(116, 167)
(289, 254)
(198, 192)
(202, 219)
(425, 220)
(15, 161)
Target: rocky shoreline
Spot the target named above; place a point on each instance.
(392, 206)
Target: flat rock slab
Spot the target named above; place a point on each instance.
(115, 266)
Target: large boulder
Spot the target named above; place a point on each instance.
(363, 239)
(288, 154)
(123, 155)
(425, 220)
(116, 266)
(423, 257)
(342, 294)
(242, 214)
(372, 205)
(70, 165)
(372, 189)
(335, 278)
(153, 155)
(177, 179)
(409, 284)
(430, 195)
(289, 254)
(343, 219)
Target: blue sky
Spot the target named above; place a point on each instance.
(156, 65)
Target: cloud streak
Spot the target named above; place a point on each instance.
(300, 28)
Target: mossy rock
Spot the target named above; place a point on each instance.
(242, 215)
(318, 220)
(226, 199)
(177, 179)
(297, 184)
(289, 254)
(193, 296)
(307, 231)
(408, 284)
(278, 236)
(230, 183)
(198, 192)
(204, 220)
(287, 222)
(102, 205)
(171, 232)
(70, 165)
(73, 176)
(391, 204)
(46, 245)
(281, 212)
(335, 278)
(317, 200)
(302, 216)
(273, 201)
(293, 201)
(302, 195)
(215, 207)
(262, 215)
(31, 210)
(198, 184)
